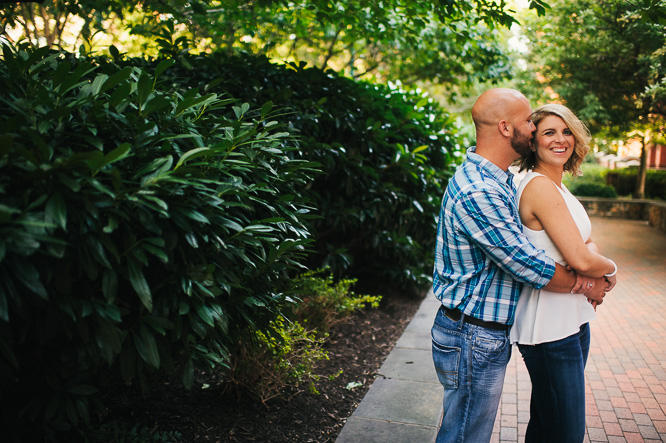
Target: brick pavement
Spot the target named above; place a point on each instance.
(626, 369)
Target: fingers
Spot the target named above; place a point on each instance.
(578, 287)
(611, 282)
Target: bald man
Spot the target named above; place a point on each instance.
(482, 260)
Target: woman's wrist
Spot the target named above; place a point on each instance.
(614, 269)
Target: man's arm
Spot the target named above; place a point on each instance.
(568, 281)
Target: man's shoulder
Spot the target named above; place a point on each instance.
(470, 178)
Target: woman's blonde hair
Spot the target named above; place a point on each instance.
(578, 129)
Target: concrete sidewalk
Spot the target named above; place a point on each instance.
(625, 374)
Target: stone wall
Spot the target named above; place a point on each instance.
(652, 211)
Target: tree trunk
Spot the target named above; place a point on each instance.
(639, 191)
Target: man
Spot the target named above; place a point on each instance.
(482, 259)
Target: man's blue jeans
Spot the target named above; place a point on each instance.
(557, 407)
(470, 362)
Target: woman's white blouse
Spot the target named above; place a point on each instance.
(543, 316)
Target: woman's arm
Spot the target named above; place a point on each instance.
(592, 246)
(542, 207)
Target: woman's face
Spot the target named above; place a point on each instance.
(554, 141)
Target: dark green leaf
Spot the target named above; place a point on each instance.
(139, 283)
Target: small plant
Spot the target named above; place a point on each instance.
(119, 432)
(325, 302)
(278, 361)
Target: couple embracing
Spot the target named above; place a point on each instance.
(516, 266)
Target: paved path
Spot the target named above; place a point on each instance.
(625, 375)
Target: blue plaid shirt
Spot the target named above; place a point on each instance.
(482, 258)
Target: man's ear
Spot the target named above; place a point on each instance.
(504, 128)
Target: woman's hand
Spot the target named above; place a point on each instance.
(611, 282)
(594, 288)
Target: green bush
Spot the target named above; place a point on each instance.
(141, 228)
(585, 189)
(284, 361)
(325, 302)
(386, 153)
(624, 181)
(592, 183)
(269, 366)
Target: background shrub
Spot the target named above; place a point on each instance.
(592, 183)
(584, 189)
(141, 227)
(624, 181)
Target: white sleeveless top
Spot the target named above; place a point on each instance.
(543, 316)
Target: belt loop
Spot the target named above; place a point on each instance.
(461, 321)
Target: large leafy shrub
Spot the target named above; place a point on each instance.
(386, 156)
(141, 227)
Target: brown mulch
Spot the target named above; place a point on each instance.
(356, 347)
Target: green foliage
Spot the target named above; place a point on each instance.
(279, 362)
(148, 223)
(452, 42)
(592, 183)
(325, 302)
(583, 189)
(605, 59)
(624, 180)
(119, 432)
(387, 155)
(283, 360)
(141, 227)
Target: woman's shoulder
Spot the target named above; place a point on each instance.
(535, 180)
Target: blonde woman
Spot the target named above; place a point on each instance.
(552, 329)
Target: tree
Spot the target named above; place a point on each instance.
(606, 59)
(447, 42)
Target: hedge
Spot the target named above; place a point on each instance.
(624, 182)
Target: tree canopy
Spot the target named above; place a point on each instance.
(447, 42)
(606, 59)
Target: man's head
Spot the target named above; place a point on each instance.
(502, 118)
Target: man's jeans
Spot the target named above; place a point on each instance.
(470, 362)
(557, 407)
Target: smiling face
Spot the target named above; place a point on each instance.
(554, 142)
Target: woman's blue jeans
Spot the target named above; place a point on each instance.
(557, 407)
(470, 362)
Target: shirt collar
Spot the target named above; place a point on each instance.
(489, 167)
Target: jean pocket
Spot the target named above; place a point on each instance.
(447, 364)
(489, 350)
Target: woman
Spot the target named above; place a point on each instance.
(552, 329)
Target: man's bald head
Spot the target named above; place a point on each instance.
(495, 105)
(503, 121)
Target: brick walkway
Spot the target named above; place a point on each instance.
(626, 370)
